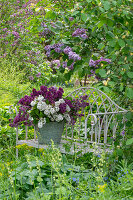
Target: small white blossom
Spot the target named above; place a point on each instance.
(40, 124)
(46, 112)
(59, 118)
(30, 118)
(68, 108)
(39, 106)
(67, 117)
(40, 98)
(49, 107)
(57, 103)
(52, 119)
(43, 106)
(52, 111)
(44, 121)
(61, 101)
(33, 103)
(57, 108)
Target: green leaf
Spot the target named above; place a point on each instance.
(39, 179)
(101, 46)
(121, 87)
(129, 92)
(106, 89)
(129, 141)
(83, 17)
(100, 24)
(121, 43)
(89, 1)
(130, 74)
(111, 34)
(102, 73)
(112, 43)
(75, 13)
(50, 15)
(106, 5)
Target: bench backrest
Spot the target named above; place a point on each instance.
(100, 122)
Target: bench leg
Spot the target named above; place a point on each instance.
(16, 153)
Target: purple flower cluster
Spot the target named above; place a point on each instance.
(71, 18)
(16, 34)
(67, 50)
(56, 63)
(47, 32)
(21, 117)
(95, 63)
(51, 95)
(64, 64)
(26, 100)
(76, 105)
(38, 75)
(62, 107)
(56, 47)
(72, 55)
(80, 32)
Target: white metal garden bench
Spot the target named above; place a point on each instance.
(99, 124)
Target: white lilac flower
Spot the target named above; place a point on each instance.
(57, 108)
(59, 118)
(49, 107)
(52, 119)
(44, 121)
(46, 112)
(44, 105)
(57, 103)
(67, 117)
(68, 108)
(52, 110)
(40, 124)
(40, 98)
(39, 106)
(33, 103)
(30, 118)
(61, 101)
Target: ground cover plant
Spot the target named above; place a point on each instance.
(65, 44)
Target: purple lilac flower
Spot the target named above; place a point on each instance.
(16, 34)
(48, 53)
(92, 71)
(31, 78)
(92, 63)
(56, 62)
(26, 100)
(58, 50)
(38, 75)
(78, 32)
(58, 45)
(84, 36)
(71, 66)
(105, 59)
(72, 55)
(62, 107)
(43, 24)
(48, 47)
(4, 29)
(67, 50)
(64, 64)
(71, 18)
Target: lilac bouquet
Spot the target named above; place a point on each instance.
(47, 105)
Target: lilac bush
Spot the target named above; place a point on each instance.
(47, 105)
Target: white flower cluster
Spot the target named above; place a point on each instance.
(41, 122)
(50, 111)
